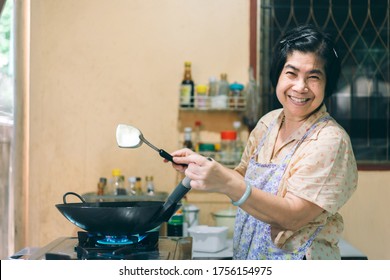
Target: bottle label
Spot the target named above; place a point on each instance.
(185, 95)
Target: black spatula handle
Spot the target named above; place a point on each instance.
(168, 157)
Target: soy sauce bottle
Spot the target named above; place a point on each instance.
(188, 138)
(187, 87)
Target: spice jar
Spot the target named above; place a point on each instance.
(228, 144)
(236, 98)
(201, 97)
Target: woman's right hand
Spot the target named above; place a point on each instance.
(181, 167)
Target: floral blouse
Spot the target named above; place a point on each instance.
(322, 170)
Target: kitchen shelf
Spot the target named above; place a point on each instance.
(216, 104)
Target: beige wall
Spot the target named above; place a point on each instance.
(95, 64)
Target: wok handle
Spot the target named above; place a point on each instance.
(72, 193)
(177, 194)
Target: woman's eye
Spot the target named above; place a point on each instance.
(314, 77)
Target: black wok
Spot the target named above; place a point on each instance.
(123, 218)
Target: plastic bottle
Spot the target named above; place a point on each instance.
(213, 86)
(228, 145)
(223, 87)
(201, 97)
(117, 183)
(188, 138)
(220, 101)
(187, 87)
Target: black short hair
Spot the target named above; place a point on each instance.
(308, 39)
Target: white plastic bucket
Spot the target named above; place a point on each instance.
(226, 218)
(191, 217)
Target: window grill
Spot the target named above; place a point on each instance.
(361, 103)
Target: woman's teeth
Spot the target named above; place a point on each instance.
(299, 100)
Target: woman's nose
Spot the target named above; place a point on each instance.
(300, 86)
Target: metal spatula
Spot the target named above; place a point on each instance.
(128, 136)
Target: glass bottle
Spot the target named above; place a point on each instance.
(101, 188)
(197, 139)
(213, 86)
(223, 87)
(138, 186)
(131, 189)
(175, 224)
(236, 99)
(149, 183)
(220, 101)
(228, 145)
(240, 145)
(187, 87)
(188, 138)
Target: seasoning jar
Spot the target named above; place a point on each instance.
(117, 183)
(101, 188)
(207, 150)
(228, 145)
(138, 186)
(236, 97)
(201, 97)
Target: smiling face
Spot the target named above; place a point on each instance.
(301, 85)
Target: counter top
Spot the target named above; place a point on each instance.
(347, 251)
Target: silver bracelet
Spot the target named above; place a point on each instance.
(244, 197)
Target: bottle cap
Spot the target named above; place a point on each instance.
(237, 124)
(206, 147)
(187, 129)
(202, 89)
(236, 86)
(212, 79)
(116, 172)
(228, 135)
(187, 63)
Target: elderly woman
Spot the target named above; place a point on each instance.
(298, 168)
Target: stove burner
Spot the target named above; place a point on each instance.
(119, 240)
(96, 246)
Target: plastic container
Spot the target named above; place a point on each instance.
(208, 239)
(226, 218)
(191, 217)
(228, 147)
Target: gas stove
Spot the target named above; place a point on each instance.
(87, 246)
